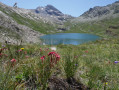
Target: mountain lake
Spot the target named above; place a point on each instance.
(68, 38)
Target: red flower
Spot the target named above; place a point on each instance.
(13, 60)
(86, 51)
(19, 50)
(27, 56)
(54, 57)
(57, 56)
(42, 58)
(51, 53)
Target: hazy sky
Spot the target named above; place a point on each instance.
(72, 7)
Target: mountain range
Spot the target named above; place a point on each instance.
(28, 25)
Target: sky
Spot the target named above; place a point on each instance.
(71, 7)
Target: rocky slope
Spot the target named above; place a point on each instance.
(28, 25)
(51, 13)
(12, 31)
(99, 13)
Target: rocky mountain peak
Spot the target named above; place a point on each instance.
(49, 9)
(117, 2)
(53, 11)
(101, 12)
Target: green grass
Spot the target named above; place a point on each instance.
(91, 64)
(95, 27)
(35, 25)
(95, 65)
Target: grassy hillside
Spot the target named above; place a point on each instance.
(103, 28)
(35, 25)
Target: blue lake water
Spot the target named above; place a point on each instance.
(68, 38)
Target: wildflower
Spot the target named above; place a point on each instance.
(51, 53)
(42, 58)
(40, 49)
(13, 60)
(27, 56)
(19, 50)
(57, 56)
(86, 51)
(53, 48)
(116, 61)
(22, 48)
(76, 64)
(3, 45)
(106, 83)
(54, 57)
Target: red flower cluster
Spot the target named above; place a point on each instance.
(54, 57)
(42, 58)
(13, 60)
(86, 51)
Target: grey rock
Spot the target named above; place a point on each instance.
(13, 32)
(51, 13)
(99, 13)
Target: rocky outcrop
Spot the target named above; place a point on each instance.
(13, 32)
(96, 12)
(51, 13)
(49, 9)
(100, 12)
